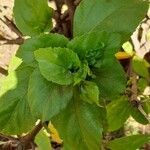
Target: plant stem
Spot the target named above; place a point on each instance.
(23, 142)
(31, 135)
(11, 26)
(18, 41)
(134, 94)
(140, 108)
(134, 86)
(9, 23)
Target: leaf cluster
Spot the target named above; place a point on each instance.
(76, 84)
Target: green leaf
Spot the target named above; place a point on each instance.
(130, 142)
(32, 17)
(47, 99)
(142, 83)
(11, 78)
(147, 104)
(140, 67)
(111, 16)
(82, 73)
(138, 116)
(43, 141)
(89, 92)
(58, 64)
(14, 63)
(118, 112)
(110, 79)
(89, 46)
(80, 125)
(26, 51)
(128, 48)
(92, 46)
(110, 76)
(15, 115)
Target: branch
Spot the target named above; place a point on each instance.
(18, 41)
(11, 26)
(28, 139)
(134, 94)
(24, 142)
(31, 135)
(59, 5)
(76, 2)
(71, 6)
(140, 108)
(133, 86)
(57, 14)
(64, 22)
(71, 9)
(7, 137)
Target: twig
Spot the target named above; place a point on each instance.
(23, 142)
(31, 135)
(133, 86)
(28, 140)
(134, 94)
(11, 26)
(140, 108)
(64, 22)
(76, 2)
(7, 137)
(18, 41)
